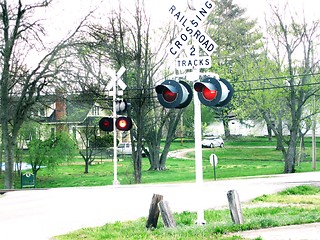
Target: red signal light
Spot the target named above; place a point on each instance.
(169, 96)
(106, 124)
(213, 92)
(209, 94)
(123, 123)
(173, 94)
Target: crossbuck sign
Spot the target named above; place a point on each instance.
(191, 29)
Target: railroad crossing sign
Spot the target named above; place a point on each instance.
(116, 81)
(193, 60)
(191, 29)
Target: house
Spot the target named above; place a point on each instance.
(70, 113)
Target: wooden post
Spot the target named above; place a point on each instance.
(167, 215)
(235, 207)
(154, 211)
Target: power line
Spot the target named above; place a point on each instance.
(277, 78)
(276, 87)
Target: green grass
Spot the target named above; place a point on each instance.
(307, 195)
(251, 159)
(241, 157)
(218, 221)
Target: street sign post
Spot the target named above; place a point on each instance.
(214, 163)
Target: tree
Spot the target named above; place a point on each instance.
(51, 151)
(91, 142)
(127, 41)
(87, 133)
(291, 63)
(289, 38)
(235, 34)
(22, 84)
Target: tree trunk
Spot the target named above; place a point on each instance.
(225, 121)
(269, 129)
(9, 163)
(280, 136)
(1, 156)
(173, 123)
(86, 168)
(137, 154)
(154, 141)
(291, 155)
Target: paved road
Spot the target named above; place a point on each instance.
(42, 214)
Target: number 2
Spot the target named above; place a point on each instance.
(192, 49)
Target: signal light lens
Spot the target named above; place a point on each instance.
(209, 94)
(123, 123)
(106, 124)
(213, 92)
(173, 94)
(169, 96)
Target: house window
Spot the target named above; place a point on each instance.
(95, 111)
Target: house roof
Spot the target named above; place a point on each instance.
(77, 110)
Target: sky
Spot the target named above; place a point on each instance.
(62, 16)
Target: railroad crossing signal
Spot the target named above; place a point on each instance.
(213, 92)
(123, 123)
(106, 124)
(173, 94)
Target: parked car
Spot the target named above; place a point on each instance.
(212, 142)
(125, 148)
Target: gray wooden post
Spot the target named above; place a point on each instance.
(167, 215)
(235, 207)
(154, 211)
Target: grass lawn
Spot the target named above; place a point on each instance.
(240, 158)
(293, 206)
(230, 162)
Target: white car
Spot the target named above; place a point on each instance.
(212, 142)
(124, 148)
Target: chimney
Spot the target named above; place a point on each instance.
(61, 108)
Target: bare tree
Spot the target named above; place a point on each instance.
(288, 79)
(129, 42)
(19, 81)
(293, 38)
(88, 135)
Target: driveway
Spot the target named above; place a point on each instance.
(42, 214)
